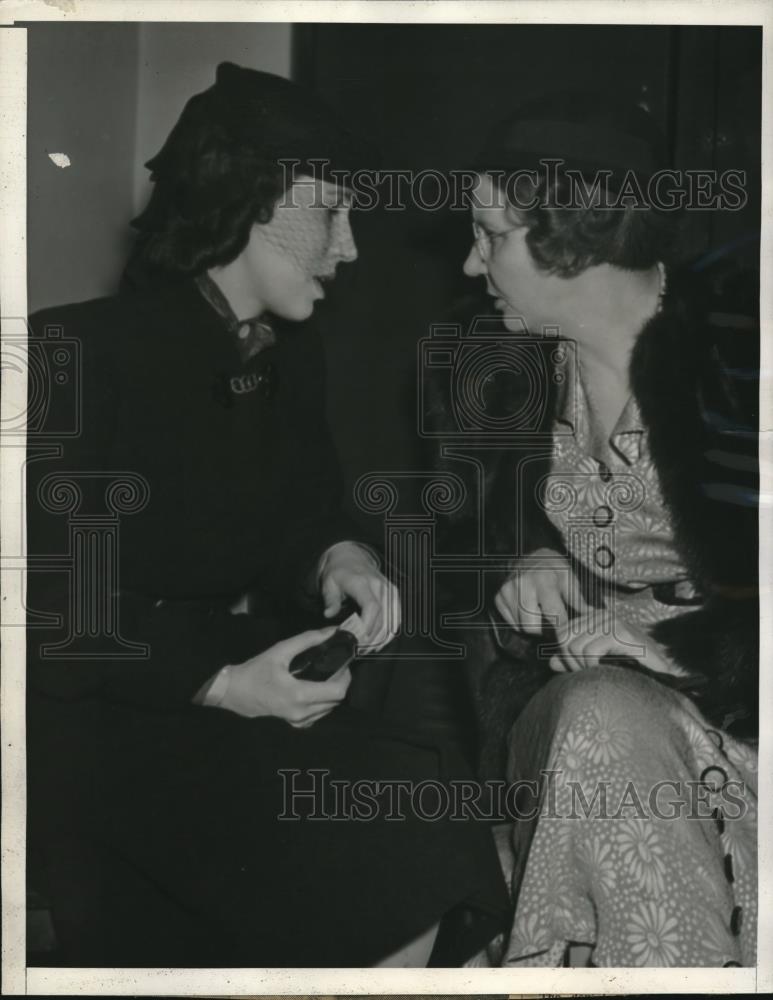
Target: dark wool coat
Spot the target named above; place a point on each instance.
(243, 488)
(153, 823)
(695, 374)
(242, 492)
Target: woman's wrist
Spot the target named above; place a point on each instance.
(346, 549)
(213, 693)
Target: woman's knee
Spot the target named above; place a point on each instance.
(613, 698)
(613, 689)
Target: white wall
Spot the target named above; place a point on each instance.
(107, 95)
(82, 97)
(179, 60)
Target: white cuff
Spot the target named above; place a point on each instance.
(213, 692)
(365, 550)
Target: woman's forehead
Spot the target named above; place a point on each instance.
(485, 195)
(310, 192)
(486, 199)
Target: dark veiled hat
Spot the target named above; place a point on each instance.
(587, 131)
(240, 127)
(277, 118)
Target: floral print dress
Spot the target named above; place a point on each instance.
(644, 843)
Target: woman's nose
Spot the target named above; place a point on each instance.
(473, 265)
(343, 247)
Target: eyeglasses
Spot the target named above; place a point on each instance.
(484, 239)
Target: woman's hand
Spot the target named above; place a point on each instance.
(536, 594)
(264, 686)
(348, 570)
(584, 641)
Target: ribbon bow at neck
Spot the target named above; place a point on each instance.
(251, 335)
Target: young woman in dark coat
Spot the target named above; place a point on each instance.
(620, 671)
(188, 463)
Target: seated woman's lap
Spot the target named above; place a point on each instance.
(628, 854)
(601, 692)
(173, 821)
(215, 811)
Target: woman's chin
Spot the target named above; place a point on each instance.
(305, 310)
(297, 311)
(513, 322)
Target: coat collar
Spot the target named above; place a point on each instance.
(251, 336)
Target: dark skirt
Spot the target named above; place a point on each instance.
(176, 840)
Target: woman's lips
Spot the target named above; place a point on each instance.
(319, 281)
(499, 303)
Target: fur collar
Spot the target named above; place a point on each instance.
(692, 372)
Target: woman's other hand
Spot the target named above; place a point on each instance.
(349, 570)
(264, 686)
(542, 591)
(584, 641)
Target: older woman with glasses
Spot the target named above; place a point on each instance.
(622, 677)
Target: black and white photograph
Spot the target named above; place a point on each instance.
(382, 565)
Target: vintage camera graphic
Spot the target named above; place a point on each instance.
(42, 399)
(48, 368)
(492, 383)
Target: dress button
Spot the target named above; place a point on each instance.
(244, 331)
(714, 769)
(602, 516)
(736, 920)
(605, 557)
(716, 737)
(729, 868)
(604, 472)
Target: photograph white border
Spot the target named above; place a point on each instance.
(16, 978)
